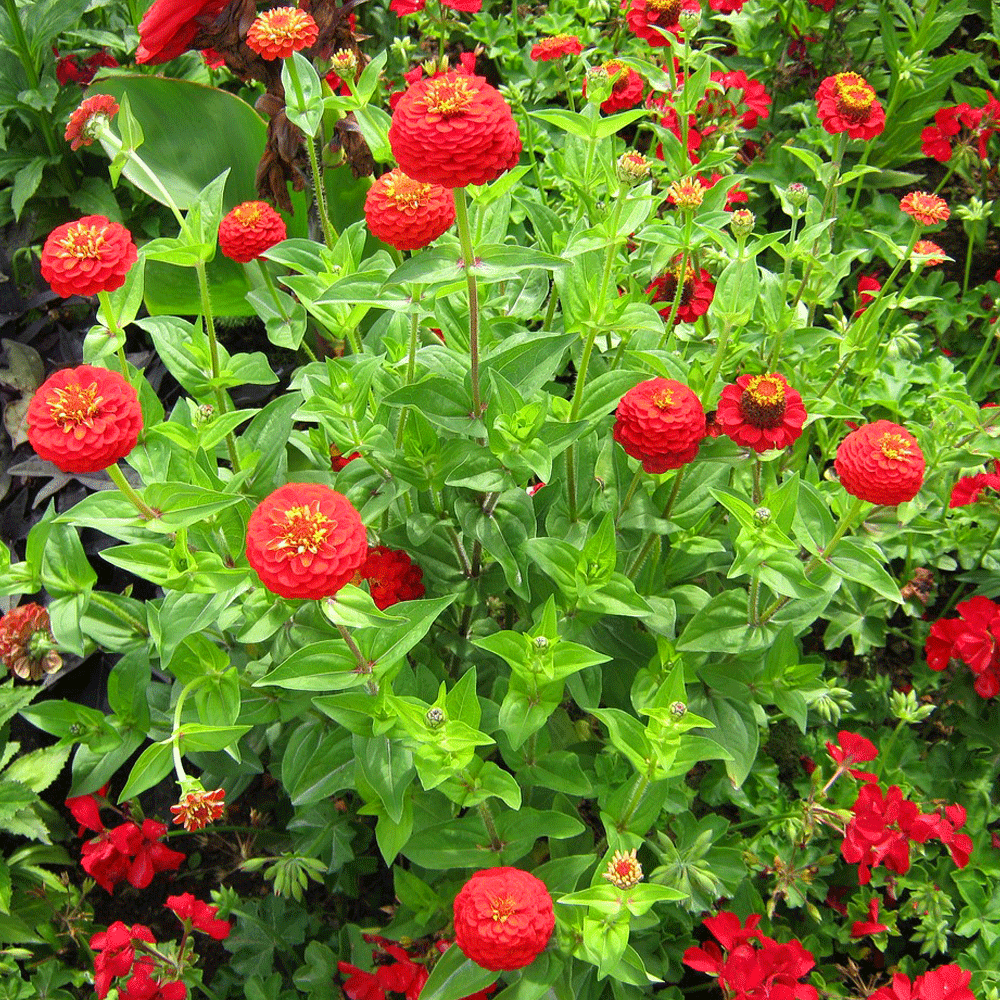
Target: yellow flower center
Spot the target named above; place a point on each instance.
(82, 242)
(894, 446)
(405, 191)
(304, 530)
(671, 8)
(663, 399)
(449, 95)
(502, 908)
(282, 26)
(74, 406)
(249, 213)
(855, 95)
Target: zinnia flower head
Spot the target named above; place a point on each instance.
(626, 86)
(198, 808)
(169, 26)
(661, 423)
(503, 918)
(454, 129)
(87, 256)
(408, 214)
(26, 642)
(931, 251)
(656, 20)
(847, 103)
(305, 540)
(697, 290)
(280, 31)
(927, 209)
(392, 576)
(84, 419)
(90, 119)
(250, 229)
(761, 412)
(556, 47)
(881, 463)
(686, 194)
(623, 870)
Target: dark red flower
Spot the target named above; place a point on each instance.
(202, 915)
(143, 987)
(503, 918)
(974, 638)
(84, 419)
(847, 103)
(741, 100)
(881, 463)
(656, 20)
(825, 5)
(115, 953)
(660, 422)
(69, 69)
(969, 489)
(169, 26)
(761, 412)
(863, 928)
(27, 644)
(852, 749)
(868, 288)
(305, 540)
(89, 118)
(626, 87)
(408, 214)
(87, 256)
(391, 576)
(338, 460)
(145, 850)
(86, 810)
(726, 6)
(103, 862)
(696, 294)
(249, 230)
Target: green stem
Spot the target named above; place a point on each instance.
(551, 310)
(468, 253)
(118, 478)
(581, 381)
(114, 329)
(269, 281)
(411, 363)
(103, 602)
(653, 537)
(570, 96)
(496, 844)
(175, 735)
(364, 666)
(628, 496)
(213, 350)
(529, 134)
(635, 800)
(785, 274)
(720, 353)
(886, 747)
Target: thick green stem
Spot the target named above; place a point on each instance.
(720, 354)
(411, 363)
(628, 496)
(581, 381)
(118, 478)
(496, 844)
(468, 253)
(653, 538)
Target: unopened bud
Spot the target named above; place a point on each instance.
(678, 709)
(689, 20)
(624, 870)
(632, 168)
(435, 718)
(798, 194)
(344, 63)
(204, 414)
(598, 83)
(741, 222)
(541, 642)
(762, 515)
(686, 194)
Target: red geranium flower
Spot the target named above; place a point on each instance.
(726, 6)
(392, 576)
(969, 489)
(250, 229)
(86, 810)
(84, 419)
(556, 47)
(143, 987)
(881, 463)
(503, 918)
(169, 26)
(868, 288)
(696, 294)
(852, 749)
(280, 31)
(761, 412)
(115, 953)
(202, 915)
(847, 103)
(87, 256)
(862, 928)
(305, 540)
(656, 20)
(147, 854)
(946, 981)
(626, 87)
(89, 118)
(26, 642)
(741, 99)
(454, 129)
(408, 214)
(974, 638)
(661, 423)
(927, 209)
(981, 124)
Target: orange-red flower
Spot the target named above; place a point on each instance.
(881, 463)
(84, 419)
(503, 918)
(279, 32)
(656, 20)
(696, 294)
(408, 214)
(927, 209)
(392, 576)
(761, 412)
(197, 808)
(249, 230)
(454, 129)
(169, 26)
(89, 118)
(847, 103)
(305, 540)
(556, 47)
(626, 87)
(26, 642)
(926, 248)
(87, 256)
(661, 423)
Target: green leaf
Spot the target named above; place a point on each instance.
(721, 627)
(321, 666)
(38, 769)
(153, 765)
(454, 977)
(856, 561)
(303, 93)
(387, 766)
(317, 763)
(736, 731)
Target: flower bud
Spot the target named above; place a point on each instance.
(633, 168)
(686, 194)
(798, 194)
(678, 709)
(599, 84)
(435, 718)
(741, 222)
(689, 20)
(204, 415)
(624, 870)
(541, 642)
(762, 515)
(344, 63)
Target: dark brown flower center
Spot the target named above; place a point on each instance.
(668, 11)
(74, 405)
(449, 95)
(502, 908)
(763, 401)
(855, 96)
(304, 530)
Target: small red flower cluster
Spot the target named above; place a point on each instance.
(846, 102)
(882, 827)
(981, 124)
(69, 69)
(660, 422)
(949, 981)
(397, 970)
(973, 638)
(26, 642)
(401, 8)
(852, 749)
(881, 463)
(126, 853)
(969, 489)
(748, 971)
(250, 229)
(392, 576)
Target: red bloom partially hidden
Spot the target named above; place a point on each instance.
(89, 118)
(84, 419)
(626, 87)
(202, 915)
(881, 463)
(932, 253)
(949, 981)
(868, 288)
(973, 638)
(250, 229)
(656, 20)
(852, 749)
(305, 540)
(661, 423)
(69, 69)
(408, 214)
(454, 129)
(87, 256)
(392, 576)
(863, 928)
(129, 853)
(169, 27)
(556, 47)
(969, 489)
(847, 103)
(696, 296)
(761, 412)
(26, 642)
(503, 918)
(115, 953)
(280, 31)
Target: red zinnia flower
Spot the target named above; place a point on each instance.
(305, 540)
(881, 463)
(277, 33)
(338, 460)
(198, 808)
(26, 642)
(69, 69)
(661, 423)
(868, 288)
(927, 209)
(846, 103)
(934, 254)
(503, 918)
(202, 915)
(969, 488)
(862, 928)
(89, 118)
(454, 129)
(626, 87)
(761, 412)
(250, 229)
(392, 576)
(852, 749)
(656, 20)
(556, 47)
(87, 256)
(84, 419)
(696, 294)
(825, 5)
(169, 26)
(408, 214)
